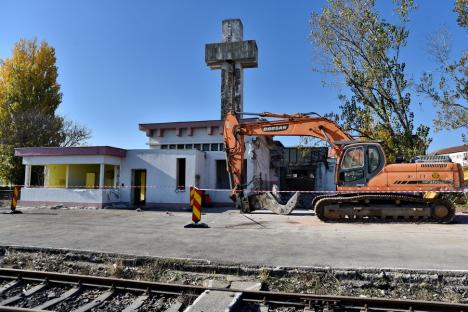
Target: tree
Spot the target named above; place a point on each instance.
(461, 8)
(450, 93)
(355, 43)
(29, 97)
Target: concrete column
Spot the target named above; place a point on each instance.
(232, 55)
(101, 176)
(67, 173)
(27, 176)
(46, 176)
(116, 176)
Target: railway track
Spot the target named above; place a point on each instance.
(23, 290)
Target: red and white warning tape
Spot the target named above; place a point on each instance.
(386, 190)
(182, 188)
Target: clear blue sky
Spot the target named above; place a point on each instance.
(127, 62)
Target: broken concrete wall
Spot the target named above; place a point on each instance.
(325, 175)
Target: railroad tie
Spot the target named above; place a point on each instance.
(9, 285)
(73, 291)
(137, 303)
(174, 307)
(103, 297)
(25, 294)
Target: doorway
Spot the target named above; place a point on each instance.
(139, 187)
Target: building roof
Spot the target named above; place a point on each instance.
(451, 150)
(149, 127)
(185, 124)
(71, 151)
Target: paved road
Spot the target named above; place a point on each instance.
(261, 238)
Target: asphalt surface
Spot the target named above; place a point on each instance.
(261, 238)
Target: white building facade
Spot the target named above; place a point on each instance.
(180, 154)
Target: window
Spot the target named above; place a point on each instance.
(188, 146)
(197, 146)
(180, 174)
(353, 175)
(164, 146)
(354, 158)
(286, 155)
(172, 146)
(374, 158)
(206, 147)
(180, 146)
(221, 147)
(222, 176)
(214, 147)
(293, 155)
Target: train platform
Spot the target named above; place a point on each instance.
(260, 238)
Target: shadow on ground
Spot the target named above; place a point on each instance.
(461, 218)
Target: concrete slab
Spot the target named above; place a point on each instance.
(213, 301)
(260, 238)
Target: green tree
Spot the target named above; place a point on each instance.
(29, 97)
(354, 42)
(447, 86)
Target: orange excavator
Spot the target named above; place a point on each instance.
(366, 188)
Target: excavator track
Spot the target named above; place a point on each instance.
(384, 208)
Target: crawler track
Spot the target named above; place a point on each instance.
(111, 294)
(383, 207)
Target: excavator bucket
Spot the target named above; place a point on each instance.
(269, 201)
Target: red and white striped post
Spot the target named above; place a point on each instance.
(196, 197)
(14, 199)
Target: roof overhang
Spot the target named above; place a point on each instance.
(71, 151)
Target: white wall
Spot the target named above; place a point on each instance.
(161, 171)
(460, 157)
(210, 177)
(200, 135)
(74, 196)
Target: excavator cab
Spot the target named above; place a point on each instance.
(360, 163)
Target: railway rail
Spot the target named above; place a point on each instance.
(23, 290)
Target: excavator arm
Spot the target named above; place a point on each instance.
(286, 125)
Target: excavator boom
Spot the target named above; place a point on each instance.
(287, 125)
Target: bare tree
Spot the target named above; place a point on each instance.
(447, 84)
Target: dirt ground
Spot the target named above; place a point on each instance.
(448, 286)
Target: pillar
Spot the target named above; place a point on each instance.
(27, 176)
(116, 176)
(46, 176)
(67, 174)
(101, 175)
(232, 55)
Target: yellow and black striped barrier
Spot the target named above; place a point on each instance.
(196, 199)
(14, 199)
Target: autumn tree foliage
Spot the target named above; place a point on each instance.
(29, 98)
(355, 43)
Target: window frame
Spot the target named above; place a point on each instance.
(361, 165)
(379, 159)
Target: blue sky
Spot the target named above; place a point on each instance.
(127, 62)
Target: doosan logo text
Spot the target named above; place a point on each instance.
(275, 128)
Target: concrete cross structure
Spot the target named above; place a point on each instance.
(232, 56)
